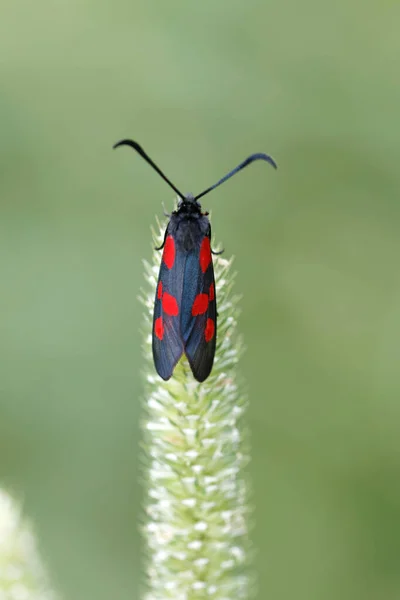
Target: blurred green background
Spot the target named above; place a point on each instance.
(201, 85)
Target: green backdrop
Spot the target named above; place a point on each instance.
(201, 85)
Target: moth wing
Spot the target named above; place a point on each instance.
(199, 315)
(167, 340)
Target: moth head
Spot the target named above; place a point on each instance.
(189, 204)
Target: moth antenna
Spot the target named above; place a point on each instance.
(242, 165)
(147, 158)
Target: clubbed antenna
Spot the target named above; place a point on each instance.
(147, 158)
(247, 161)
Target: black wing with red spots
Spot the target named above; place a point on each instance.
(199, 312)
(167, 340)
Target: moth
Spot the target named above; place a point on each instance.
(185, 305)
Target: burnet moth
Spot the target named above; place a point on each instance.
(185, 307)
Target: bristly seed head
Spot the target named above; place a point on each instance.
(197, 498)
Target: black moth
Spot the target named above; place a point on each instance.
(185, 309)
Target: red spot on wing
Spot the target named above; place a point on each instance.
(209, 330)
(211, 293)
(169, 252)
(159, 328)
(205, 254)
(200, 304)
(159, 290)
(170, 305)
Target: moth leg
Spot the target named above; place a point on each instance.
(162, 245)
(215, 252)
